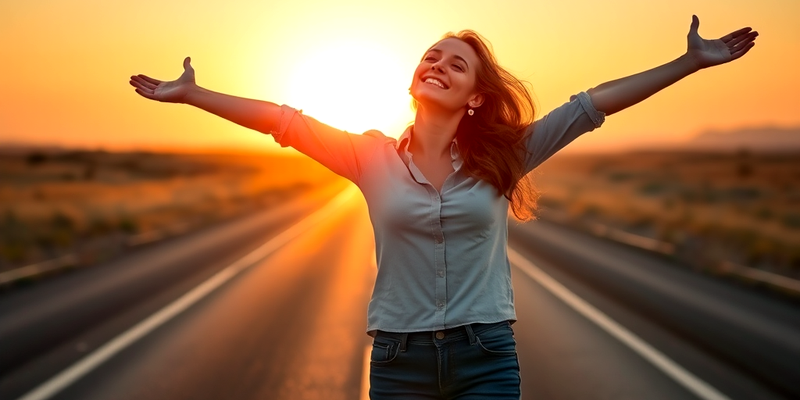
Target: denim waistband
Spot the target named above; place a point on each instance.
(458, 333)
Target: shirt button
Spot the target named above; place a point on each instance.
(440, 273)
(440, 335)
(439, 239)
(440, 305)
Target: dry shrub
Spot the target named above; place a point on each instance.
(749, 199)
(55, 201)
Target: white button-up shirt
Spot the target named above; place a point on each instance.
(441, 257)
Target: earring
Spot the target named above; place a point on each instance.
(471, 112)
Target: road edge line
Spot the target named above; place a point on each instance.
(92, 360)
(666, 365)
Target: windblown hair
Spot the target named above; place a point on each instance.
(492, 141)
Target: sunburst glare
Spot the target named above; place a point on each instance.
(352, 85)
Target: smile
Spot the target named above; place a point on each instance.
(436, 82)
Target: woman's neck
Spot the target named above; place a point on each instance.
(433, 133)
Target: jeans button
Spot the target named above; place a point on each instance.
(440, 335)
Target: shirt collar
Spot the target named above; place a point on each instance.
(405, 139)
(402, 142)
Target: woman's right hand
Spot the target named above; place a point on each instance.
(169, 91)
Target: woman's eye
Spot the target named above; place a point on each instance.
(429, 58)
(459, 68)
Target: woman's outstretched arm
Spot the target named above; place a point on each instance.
(619, 94)
(342, 152)
(259, 115)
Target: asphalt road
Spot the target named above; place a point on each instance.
(290, 323)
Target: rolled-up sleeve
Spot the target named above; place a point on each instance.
(342, 152)
(558, 128)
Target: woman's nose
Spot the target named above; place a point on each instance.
(436, 66)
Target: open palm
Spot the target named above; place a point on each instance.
(166, 91)
(708, 53)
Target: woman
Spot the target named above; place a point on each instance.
(438, 197)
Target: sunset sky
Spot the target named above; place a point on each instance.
(65, 65)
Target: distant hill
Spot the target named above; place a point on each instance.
(757, 139)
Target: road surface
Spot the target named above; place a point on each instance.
(289, 322)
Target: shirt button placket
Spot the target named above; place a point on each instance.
(440, 264)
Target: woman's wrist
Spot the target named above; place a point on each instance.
(192, 94)
(688, 63)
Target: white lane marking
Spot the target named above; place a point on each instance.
(659, 360)
(125, 339)
(365, 374)
(39, 268)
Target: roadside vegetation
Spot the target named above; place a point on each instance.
(739, 207)
(92, 203)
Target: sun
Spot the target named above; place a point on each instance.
(352, 85)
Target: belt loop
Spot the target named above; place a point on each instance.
(470, 334)
(403, 341)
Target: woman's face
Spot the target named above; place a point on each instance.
(445, 77)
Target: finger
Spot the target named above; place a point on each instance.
(149, 79)
(743, 43)
(734, 34)
(742, 51)
(742, 39)
(695, 24)
(144, 83)
(141, 87)
(145, 94)
(187, 63)
(136, 84)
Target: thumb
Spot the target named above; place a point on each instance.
(695, 24)
(187, 64)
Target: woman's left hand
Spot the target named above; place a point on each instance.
(708, 53)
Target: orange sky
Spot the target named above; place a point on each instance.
(64, 65)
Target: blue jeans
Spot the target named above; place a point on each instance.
(477, 361)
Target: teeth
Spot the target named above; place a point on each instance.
(435, 82)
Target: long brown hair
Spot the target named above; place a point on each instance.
(491, 141)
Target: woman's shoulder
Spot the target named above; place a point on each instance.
(375, 133)
(380, 136)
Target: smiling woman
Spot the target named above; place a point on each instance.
(439, 195)
(352, 85)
